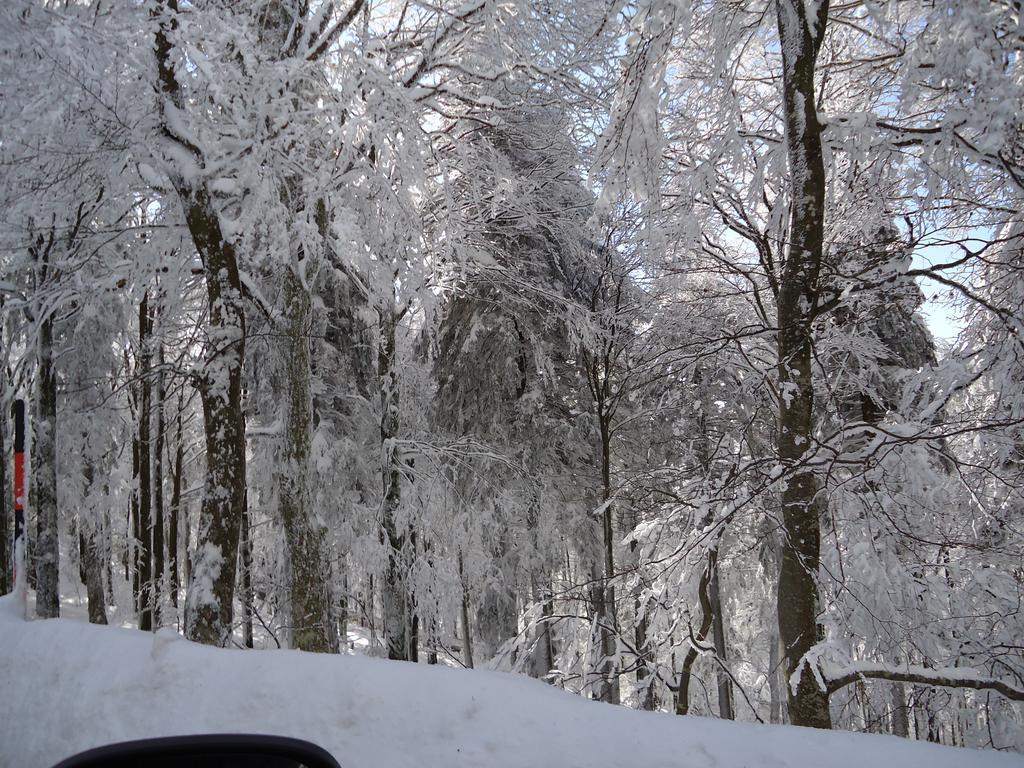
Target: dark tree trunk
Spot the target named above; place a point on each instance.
(412, 611)
(496, 616)
(343, 610)
(91, 552)
(173, 583)
(394, 597)
(644, 679)
(135, 528)
(6, 530)
(467, 634)
(371, 609)
(543, 657)
(800, 38)
(107, 550)
(414, 632)
(79, 534)
(900, 720)
(212, 582)
(310, 610)
(543, 660)
(599, 370)
(94, 579)
(707, 617)
(245, 552)
(432, 642)
(158, 491)
(647, 693)
(44, 473)
(718, 633)
(146, 594)
(709, 597)
(607, 619)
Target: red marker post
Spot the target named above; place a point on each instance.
(20, 576)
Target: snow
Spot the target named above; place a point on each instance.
(68, 686)
(208, 563)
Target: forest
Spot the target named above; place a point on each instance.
(667, 351)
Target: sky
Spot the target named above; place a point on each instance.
(940, 315)
(940, 310)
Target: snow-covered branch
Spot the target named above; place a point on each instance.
(836, 679)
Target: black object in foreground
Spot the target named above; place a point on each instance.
(206, 751)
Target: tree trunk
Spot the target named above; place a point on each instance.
(800, 38)
(173, 583)
(212, 577)
(371, 609)
(707, 617)
(134, 529)
(543, 660)
(496, 616)
(44, 473)
(6, 531)
(605, 604)
(644, 678)
(107, 550)
(94, 578)
(158, 490)
(414, 630)
(393, 594)
(142, 371)
(245, 552)
(467, 634)
(725, 710)
(467, 637)
(79, 534)
(212, 584)
(708, 591)
(343, 609)
(900, 721)
(411, 608)
(91, 549)
(310, 610)
(432, 641)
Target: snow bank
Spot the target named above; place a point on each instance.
(66, 686)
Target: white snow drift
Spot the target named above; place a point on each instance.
(66, 686)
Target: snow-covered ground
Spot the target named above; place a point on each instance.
(66, 686)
